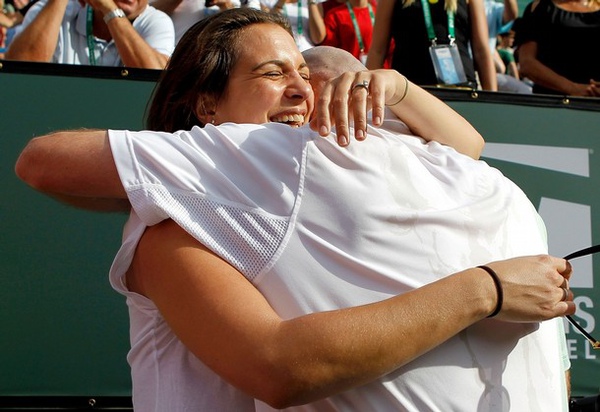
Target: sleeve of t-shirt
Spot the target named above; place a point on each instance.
(249, 167)
(528, 27)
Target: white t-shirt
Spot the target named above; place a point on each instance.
(317, 227)
(154, 26)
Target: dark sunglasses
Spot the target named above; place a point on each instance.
(584, 252)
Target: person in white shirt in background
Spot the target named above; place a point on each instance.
(99, 32)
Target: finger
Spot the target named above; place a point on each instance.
(358, 101)
(567, 271)
(565, 294)
(339, 107)
(321, 121)
(565, 308)
(376, 101)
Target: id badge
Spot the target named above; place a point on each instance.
(447, 64)
(363, 57)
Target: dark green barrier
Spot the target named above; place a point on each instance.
(64, 330)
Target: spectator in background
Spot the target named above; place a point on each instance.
(505, 51)
(11, 16)
(305, 18)
(349, 26)
(509, 79)
(500, 17)
(101, 32)
(405, 22)
(187, 12)
(557, 46)
(318, 11)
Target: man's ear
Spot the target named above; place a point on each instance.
(206, 109)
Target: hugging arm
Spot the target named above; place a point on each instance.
(226, 322)
(75, 167)
(425, 115)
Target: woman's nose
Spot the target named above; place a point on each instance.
(299, 87)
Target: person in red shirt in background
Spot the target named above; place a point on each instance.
(349, 26)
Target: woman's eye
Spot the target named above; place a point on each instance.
(273, 74)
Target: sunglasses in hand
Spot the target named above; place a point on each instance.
(583, 252)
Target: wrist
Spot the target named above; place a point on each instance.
(113, 14)
(482, 290)
(402, 94)
(499, 291)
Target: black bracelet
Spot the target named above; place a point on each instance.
(499, 291)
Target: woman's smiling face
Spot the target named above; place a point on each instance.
(269, 82)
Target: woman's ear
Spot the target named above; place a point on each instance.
(205, 110)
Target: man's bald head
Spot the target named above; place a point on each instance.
(326, 63)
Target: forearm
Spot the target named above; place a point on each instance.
(543, 76)
(485, 67)
(433, 120)
(71, 164)
(133, 49)
(37, 42)
(235, 332)
(316, 26)
(498, 63)
(513, 70)
(511, 11)
(229, 325)
(358, 345)
(278, 7)
(380, 42)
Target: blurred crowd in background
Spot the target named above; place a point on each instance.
(547, 46)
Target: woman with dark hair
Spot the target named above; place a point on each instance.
(200, 67)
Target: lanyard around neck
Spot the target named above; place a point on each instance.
(361, 43)
(298, 18)
(90, 35)
(429, 23)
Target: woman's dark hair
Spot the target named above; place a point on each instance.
(200, 66)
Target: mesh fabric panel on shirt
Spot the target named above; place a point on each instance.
(246, 239)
